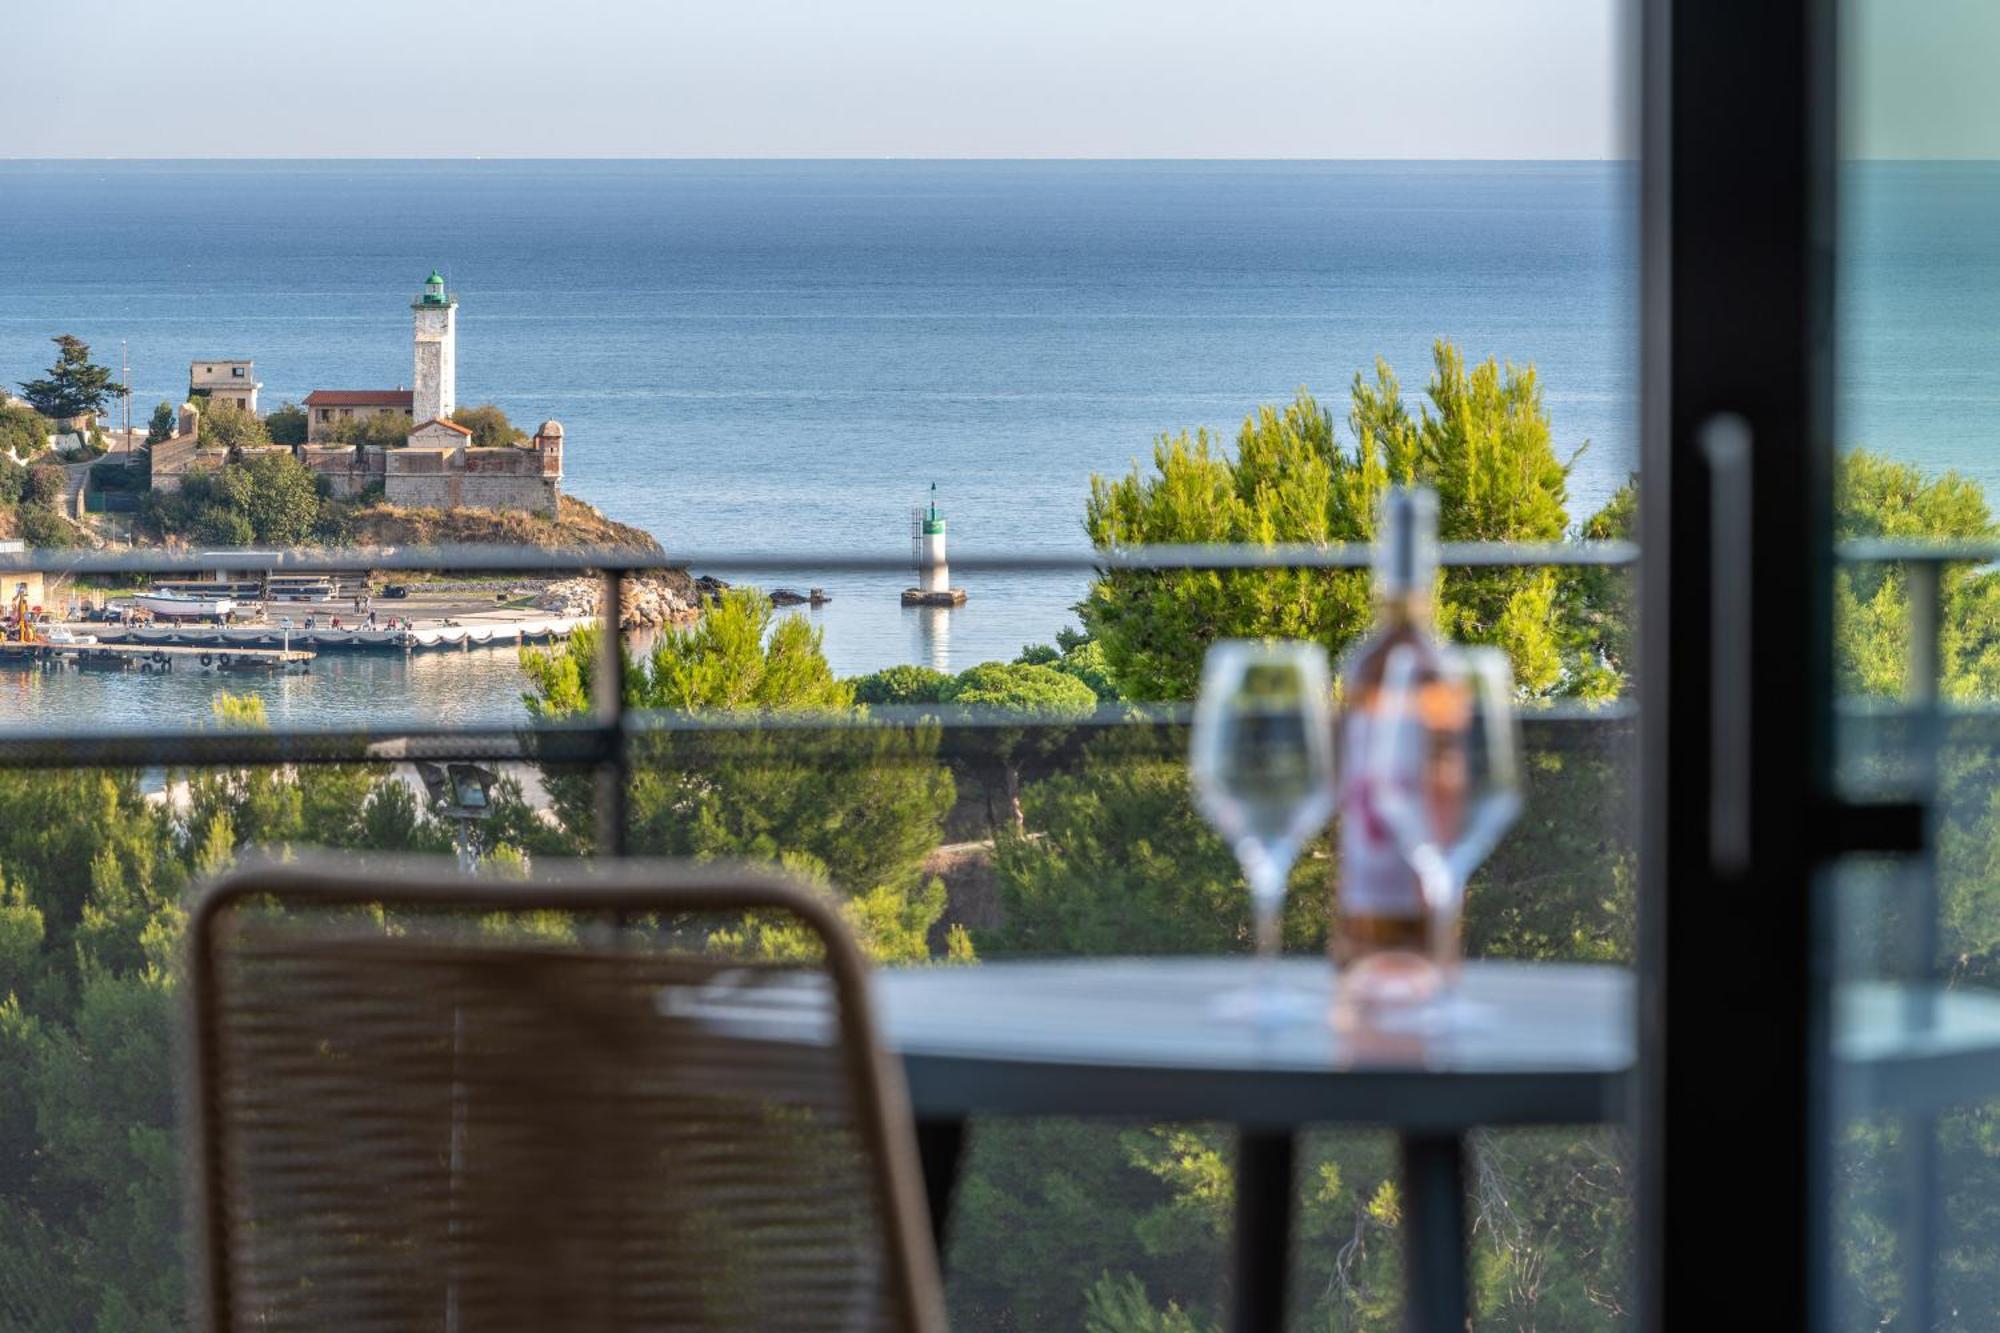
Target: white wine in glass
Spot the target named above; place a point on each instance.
(1261, 759)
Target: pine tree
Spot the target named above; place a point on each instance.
(1482, 440)
(75, 385)
(162, 425)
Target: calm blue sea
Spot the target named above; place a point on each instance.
(783, 356)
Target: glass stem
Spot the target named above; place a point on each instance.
(1267, 872)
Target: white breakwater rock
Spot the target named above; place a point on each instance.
(648, 600)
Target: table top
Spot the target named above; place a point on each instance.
(1525, 1043)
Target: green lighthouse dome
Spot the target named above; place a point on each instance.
(433, 289)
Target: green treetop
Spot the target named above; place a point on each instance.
(163, 423)
(24, 433)
(860, 815)
(287, 424)
(1482, 441)
(1028, 691)
(489, 426)
(380, 430)
(227, 426)
(75, 385)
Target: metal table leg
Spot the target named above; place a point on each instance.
(1263, 1263)
(940, 1146)
(1434, 1233)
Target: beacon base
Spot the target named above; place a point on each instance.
(941, 597)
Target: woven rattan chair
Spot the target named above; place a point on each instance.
(593, 1101)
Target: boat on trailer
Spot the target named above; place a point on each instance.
(167, 604)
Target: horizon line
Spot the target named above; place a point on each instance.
(769, 157)
(835, 159)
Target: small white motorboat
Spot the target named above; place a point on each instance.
(168, 605)
(61, 636)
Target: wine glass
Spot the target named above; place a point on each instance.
(1492, 793)
(1261, 759)
(1450, 818)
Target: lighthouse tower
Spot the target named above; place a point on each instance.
(435, 386)
(927, 549)
(933, 571)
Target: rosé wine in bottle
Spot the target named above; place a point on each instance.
(1401, 757)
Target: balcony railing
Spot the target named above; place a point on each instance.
(1912, 731)
(614, 739)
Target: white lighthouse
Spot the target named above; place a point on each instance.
(435, 386)
(928, 552)
(933, 570)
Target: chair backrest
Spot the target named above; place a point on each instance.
(647, 1096)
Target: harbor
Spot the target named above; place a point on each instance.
(84, 655)
(462, 632)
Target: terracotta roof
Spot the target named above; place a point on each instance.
(448, 425)
(403, 398)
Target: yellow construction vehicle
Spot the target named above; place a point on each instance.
(23, 628)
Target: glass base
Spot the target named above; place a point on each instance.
(1269, 1006)
(1441, 1015)
(1390, 979)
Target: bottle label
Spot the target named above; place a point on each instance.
(1382, 764)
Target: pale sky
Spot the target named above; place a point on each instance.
(816, 78)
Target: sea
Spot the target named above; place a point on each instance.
(785, 357)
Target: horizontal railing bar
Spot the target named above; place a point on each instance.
(577, 560)
(957, 718)
(970, 732)
(1874, 552)
(206, 749)
(529, 559)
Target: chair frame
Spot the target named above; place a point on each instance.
(882, 1107)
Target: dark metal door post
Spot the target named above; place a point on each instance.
(1736, 488)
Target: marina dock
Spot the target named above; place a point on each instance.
(473, 630)
(155, 657)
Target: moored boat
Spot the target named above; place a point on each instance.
(169, 605)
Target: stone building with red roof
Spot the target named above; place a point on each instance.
(327, 408)
(437, 466)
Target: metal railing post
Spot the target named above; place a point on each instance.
(608, 699)
(1923, 1214)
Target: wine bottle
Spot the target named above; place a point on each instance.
(1403, 712)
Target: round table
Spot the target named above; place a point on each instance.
(1522, 1044)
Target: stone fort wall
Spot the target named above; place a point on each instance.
(430, 474)
(348, 470)
(528, 480)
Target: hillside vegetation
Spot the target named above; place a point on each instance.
(577, 524)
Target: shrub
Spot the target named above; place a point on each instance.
(45, 486)
(22, 432)
(387, 430)
(287, 425)
(45, 527)
(901, 685)
(227, 426)
(216, 526)
(489, 426)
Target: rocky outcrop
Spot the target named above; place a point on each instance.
(648, 600)
(576, 525)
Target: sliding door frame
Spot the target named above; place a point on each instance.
(1737, 149)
